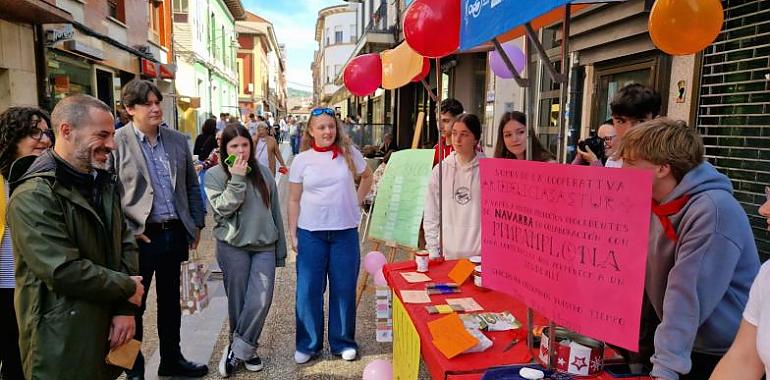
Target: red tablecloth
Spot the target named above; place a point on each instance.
(465, 366)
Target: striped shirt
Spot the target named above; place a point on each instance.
(7, 280)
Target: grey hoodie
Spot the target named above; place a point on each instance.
(242, 220)
(699, 285)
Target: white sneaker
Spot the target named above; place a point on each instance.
(301, 358)
(349, 354)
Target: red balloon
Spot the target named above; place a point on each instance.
(363, 74)
(424, 72)
(432, 27)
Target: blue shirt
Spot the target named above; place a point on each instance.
(155, 156)
(7, 280)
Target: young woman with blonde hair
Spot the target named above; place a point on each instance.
(324, 212)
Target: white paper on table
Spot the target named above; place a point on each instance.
(413, 277)
(468, 304)
(415, 296)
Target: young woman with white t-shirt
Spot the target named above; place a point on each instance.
(324, 212)
(749, 356)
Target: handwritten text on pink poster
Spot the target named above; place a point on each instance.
(568, 241)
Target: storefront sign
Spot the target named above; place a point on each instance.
(482, 20)
(66, 32)
(148, 68)
(76, 46)
(568, 241)
(167, 71)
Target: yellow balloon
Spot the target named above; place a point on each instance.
(682, 27)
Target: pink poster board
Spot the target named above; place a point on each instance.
(568, 241)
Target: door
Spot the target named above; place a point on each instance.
(105, 87)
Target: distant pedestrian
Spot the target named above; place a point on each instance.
(206, 141)
(267, 151)
(161, 198)
(24, 131)
(324, 212)
(294, 134)
(250, 244)
(76, 258)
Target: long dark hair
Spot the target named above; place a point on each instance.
(539, 152)
(16, 123)
(255, 176)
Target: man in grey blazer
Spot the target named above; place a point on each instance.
(161, 199)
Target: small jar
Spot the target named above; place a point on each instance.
(421, 259)
(476, 260)
(477, 276)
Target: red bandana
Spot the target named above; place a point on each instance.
(665, 210)
(331, 148)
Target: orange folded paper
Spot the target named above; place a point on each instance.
(462, 270)
(450, 336)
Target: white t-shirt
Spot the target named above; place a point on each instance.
(613, 163)
(329, 201)
(758, 313)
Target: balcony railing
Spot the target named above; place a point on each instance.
(378, 23)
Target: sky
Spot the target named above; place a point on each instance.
(294, 23)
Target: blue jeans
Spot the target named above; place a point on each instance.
(322, 254)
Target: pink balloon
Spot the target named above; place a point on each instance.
(379, 369)
(379, 278)
(373, 262)
(363, 74)
(516, 56)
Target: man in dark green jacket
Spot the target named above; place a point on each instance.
(75, 297)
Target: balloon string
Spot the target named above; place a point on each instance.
(430, 92)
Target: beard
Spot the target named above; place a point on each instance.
(85, 157)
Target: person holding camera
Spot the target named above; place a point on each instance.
(512, 139)
(595, 150)
(632, 105)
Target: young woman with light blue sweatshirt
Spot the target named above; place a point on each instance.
(702, 258)
(250, 243)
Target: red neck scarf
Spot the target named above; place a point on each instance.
(665, 210)
(331, 148)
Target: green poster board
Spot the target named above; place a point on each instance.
(400, 198)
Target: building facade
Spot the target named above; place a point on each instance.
(20, 26)
(68, 47)
(336, 33)
(261, 68)
(205, 52)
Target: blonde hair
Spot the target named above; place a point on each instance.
(341, 140)
(664, 141)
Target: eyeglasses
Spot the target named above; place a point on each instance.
(38, 134)
(608, 138)
(321, 111)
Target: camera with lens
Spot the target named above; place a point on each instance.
(596, 145)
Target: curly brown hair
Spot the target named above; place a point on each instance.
(17, 123)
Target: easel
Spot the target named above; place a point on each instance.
(392, 247)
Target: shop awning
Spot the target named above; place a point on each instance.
(33, 12)
(505, 20)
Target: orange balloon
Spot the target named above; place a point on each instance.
(683, 27)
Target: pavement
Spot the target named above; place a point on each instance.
(205, 334)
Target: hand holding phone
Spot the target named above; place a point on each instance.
(237, 165)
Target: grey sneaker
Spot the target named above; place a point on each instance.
(254, 364)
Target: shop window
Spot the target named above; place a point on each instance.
(68, 77)
(117, 9)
